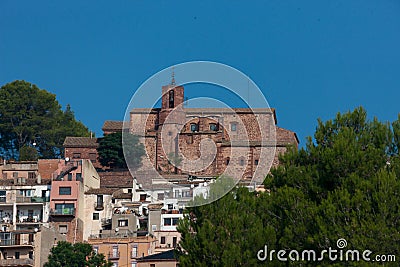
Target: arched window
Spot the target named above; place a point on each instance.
(213, 127)
(227, 160)
(194, 127)
(171, 99)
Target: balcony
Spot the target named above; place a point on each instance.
(6, 219)
(113, 255)
(63, 212)
(27, 220)
(112, 234)
(22, 199)
(106, 221)
(17, 262)
(15, 242)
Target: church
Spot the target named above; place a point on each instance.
(208, 142)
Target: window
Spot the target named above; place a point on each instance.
(194, 127)
(213, 127)
(31, 255)
(15, 174)
(93, 157)
(64, 190)
(160, 196)
(26, 192)
(69, 176)
(62, 229)
(227, 160)
(134, 251)
(152, 265)
(65, 208)
(241, 162)
(175, 221)
(76, 155)
(233, 126)
(133, 264)
(122, 223)
(174, 241)
(96, 216)
(256, 162)
(154, 227)
(115, 251)
(31, 175)
(186, 193)
(100, 202)
(143, 197)
(162, 241)
(3, 196)
(17, 255)
(171, 99)
(79, 176)
(4, 175)
(115, 264)
(96, 249)
(189, 139)
(167, 221)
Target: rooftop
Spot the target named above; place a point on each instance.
(80, 142)
(112, 126)
(168, 255)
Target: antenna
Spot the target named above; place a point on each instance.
(173, 76)
(248, 92)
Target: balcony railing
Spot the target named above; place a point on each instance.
(106, 221)
(29, 220)
(113, 234)
(113, 255)
(65, 211)
(16, 262)
(6, 219)
(32, 199)
(14, 242)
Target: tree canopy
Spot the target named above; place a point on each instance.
(32, 117)
(66, 254)
(343, 184)
(114, 153)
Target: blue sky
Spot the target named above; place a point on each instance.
(310, 58)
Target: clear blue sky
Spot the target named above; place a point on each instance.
(310, 58)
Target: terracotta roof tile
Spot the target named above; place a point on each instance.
(28, 182)
(101, 191)
(116, 179)
(112, 126)
(80, 142)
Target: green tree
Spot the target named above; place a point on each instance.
(28, 153)
(66, 254)
(113, 153)
(343, 184)
(32, 115)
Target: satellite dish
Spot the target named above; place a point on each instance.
(67, 159)
(116, 229)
